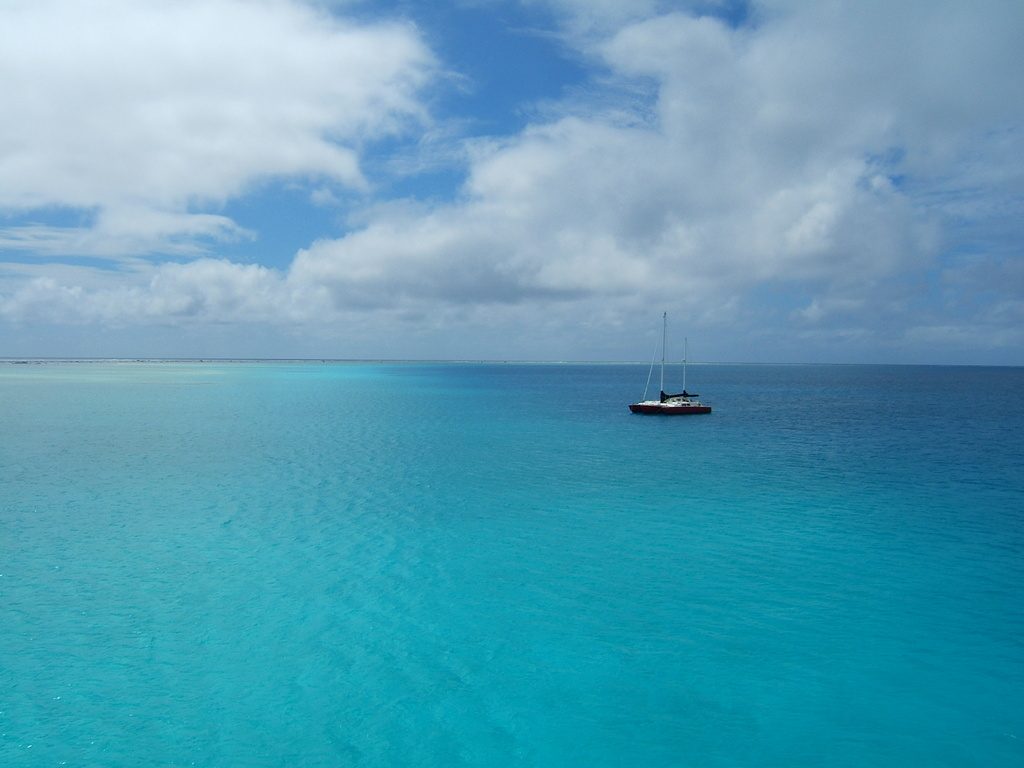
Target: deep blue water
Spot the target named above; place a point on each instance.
(229, 564)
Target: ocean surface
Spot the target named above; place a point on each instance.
(309, 564)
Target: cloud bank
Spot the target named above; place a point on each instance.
(818, 175)
(142, 114)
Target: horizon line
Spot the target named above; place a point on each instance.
(14, 360)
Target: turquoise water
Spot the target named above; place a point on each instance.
(230, 564)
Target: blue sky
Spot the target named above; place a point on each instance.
(512, 179)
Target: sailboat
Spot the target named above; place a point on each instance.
(681, 404)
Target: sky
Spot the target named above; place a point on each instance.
(790, 181)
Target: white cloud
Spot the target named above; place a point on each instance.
(204, 291)
(123, 232)
(819, 309)
(144, 109)
(587, 18)
(819, 154)
(709, 198)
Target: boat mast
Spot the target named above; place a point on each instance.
(664, 330)
(684, 363)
